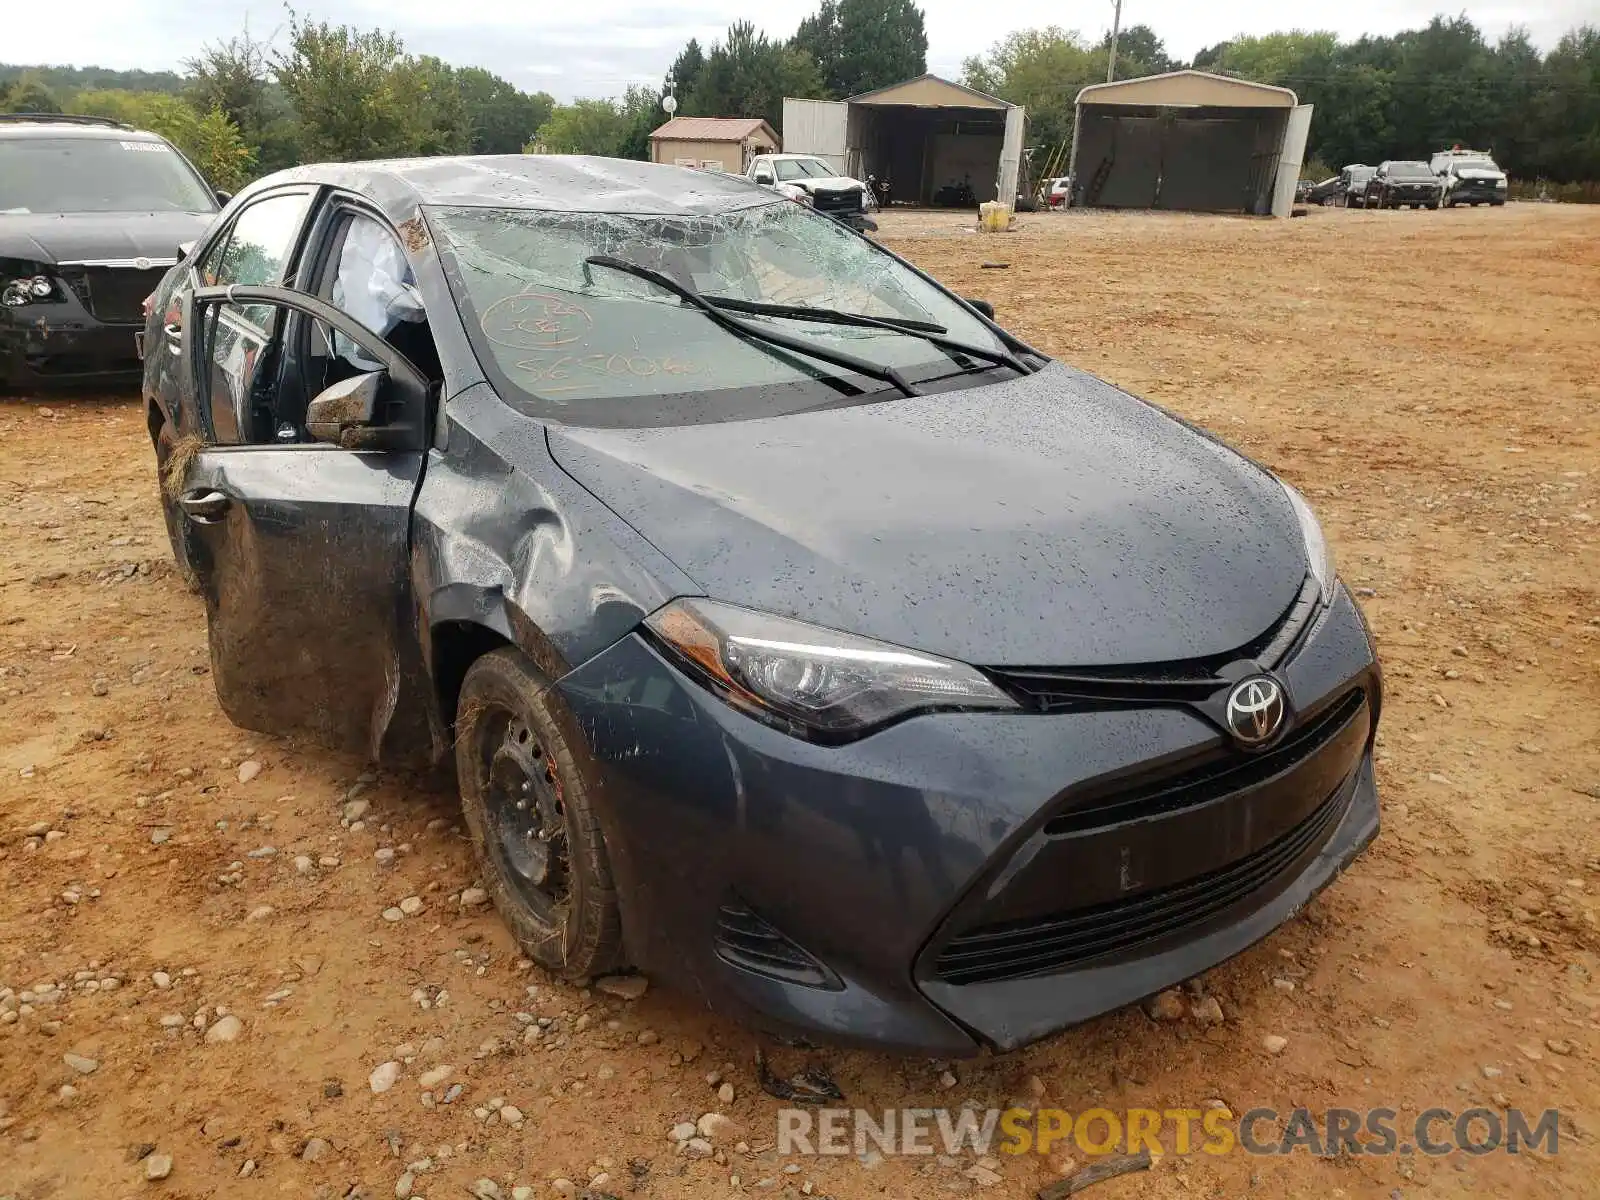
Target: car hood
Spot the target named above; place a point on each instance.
(78, 237)
(833, 183)
(1052, 520)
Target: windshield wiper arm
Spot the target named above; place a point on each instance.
(755, 333)
(827, 316)
(926, 330)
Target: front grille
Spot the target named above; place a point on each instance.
(837, 201)
(745, 940)
(1219, 773)
(1039, 946)
(116, 294)
(1054, 689)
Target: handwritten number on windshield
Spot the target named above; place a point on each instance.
(561, 370)
(535, 321)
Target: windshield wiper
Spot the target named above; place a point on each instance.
(829, 316)
(926, 330)
(756, 333)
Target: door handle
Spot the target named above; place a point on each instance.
(204, 507)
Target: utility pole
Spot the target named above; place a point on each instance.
(1116, 28)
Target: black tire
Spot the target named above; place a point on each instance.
(169, 512)
(547, 872)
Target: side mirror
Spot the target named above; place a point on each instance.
(223, 197)
(766, 178)
(983, 306)
(347, 406)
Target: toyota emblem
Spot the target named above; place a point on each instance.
(142, 264)
(1255, 711)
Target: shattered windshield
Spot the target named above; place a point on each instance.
(588, 345)
(803, 168)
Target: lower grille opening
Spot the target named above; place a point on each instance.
(1040, 946)
(746, 941)
(1220, 773)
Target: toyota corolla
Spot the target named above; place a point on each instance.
(799, 636)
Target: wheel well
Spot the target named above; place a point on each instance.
(456, 646)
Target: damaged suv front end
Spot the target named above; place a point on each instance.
(91, 217)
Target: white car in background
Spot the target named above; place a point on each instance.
(1470, 177)
(813, 182)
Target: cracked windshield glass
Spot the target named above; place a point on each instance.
(587, 343)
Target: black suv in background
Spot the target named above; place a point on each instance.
(1352, 189)
(1400, 182)
(92, 213)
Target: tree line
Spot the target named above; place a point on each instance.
(242, 108)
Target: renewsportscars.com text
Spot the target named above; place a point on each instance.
(1333, 1131)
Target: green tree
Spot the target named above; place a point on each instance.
(64, 81)
(642, 114)
(28, 93)
(584, 127)
(686, 70)
(209, 140)
(440, 111)
(1273, 58)
(234, 77)
(1139, 52)
(1043, 69)
(502, 117)
(1443, 89)
(859, 45)
(748, 75)
(349, 91)
(1567, 116)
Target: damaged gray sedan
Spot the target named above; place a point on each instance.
(798, 636)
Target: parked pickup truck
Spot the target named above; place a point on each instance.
(811, 181)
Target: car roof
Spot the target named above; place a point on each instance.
(546, 182)
(50, 126)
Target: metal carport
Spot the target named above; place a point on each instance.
(923, 135)
(1188, 141)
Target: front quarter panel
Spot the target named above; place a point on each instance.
(503, 538)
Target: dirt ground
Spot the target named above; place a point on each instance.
(1428, 379)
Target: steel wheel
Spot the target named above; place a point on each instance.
(526, 813)
(540, 845)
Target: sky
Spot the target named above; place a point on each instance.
(599, 47)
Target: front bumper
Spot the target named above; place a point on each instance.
(62, 345)
(946, 838)
(1411, 195)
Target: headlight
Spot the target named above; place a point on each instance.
(1318, 553)
(1500, 183)
(811, 682)
(26, 283)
